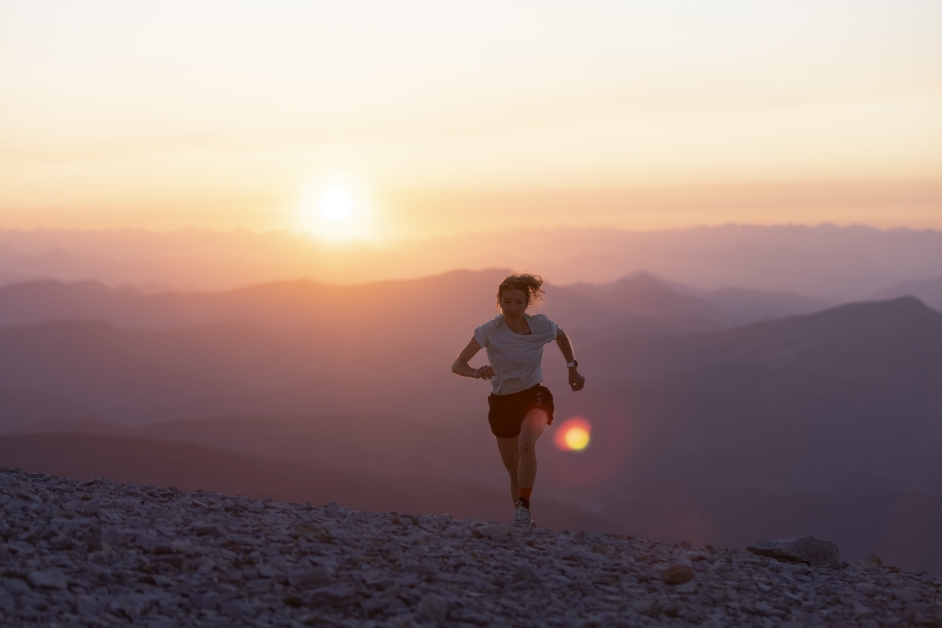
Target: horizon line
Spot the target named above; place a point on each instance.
(240, 229)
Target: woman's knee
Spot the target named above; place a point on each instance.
(531, 430)
(527, 446)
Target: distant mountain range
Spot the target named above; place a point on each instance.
(928, 291)
(694, 416)
(826, 262)
(846, 399)
(470, 295)
(297, 347)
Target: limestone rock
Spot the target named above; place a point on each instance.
(15, 586)
(525, 573)
(803, 549)
(433, 607)
(309, 577)
(86, 605)
(677, 574)
(91, 507)
(47, 579)
(492, 531)
(314, 532)
(203, 529)
(7, 602)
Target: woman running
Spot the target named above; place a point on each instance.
(520, 407)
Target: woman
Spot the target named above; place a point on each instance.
(520, 407)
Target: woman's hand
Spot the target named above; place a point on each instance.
(576, 381)
(461, 366)
(484, 372)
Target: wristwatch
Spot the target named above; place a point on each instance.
(573, 364)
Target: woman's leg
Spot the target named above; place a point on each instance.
(531, 429)
(509, 449)
(519, 453)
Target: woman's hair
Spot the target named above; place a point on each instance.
(529, 285)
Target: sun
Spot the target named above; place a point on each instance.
(336, 204)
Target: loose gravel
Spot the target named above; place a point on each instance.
(99, 553)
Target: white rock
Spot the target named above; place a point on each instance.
(805, 549)
(47, 579)
(492, 531)
(433, 607)
(309, 577)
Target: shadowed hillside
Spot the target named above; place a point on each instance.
(98, 551)
(461, 449)
(190, 467)
(899, 527)
(844, 398)
(292, 347)
(837, 407)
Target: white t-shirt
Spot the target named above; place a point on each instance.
(515, 357)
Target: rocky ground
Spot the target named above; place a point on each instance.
(97, 553)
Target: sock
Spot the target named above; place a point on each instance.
(525, 496)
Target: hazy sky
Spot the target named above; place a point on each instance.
(443, 117)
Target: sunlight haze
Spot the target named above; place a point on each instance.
(628, 115)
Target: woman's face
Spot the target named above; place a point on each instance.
(513, 303)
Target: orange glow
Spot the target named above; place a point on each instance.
(215, 119)
(573, 435)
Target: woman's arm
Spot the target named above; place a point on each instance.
(576, 381)
(461, 367)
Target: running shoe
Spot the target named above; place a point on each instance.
(522, 517)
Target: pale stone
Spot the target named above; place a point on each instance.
(433, 607)
(677, 574)
(871, 562)
(805, 549)
(309, 577)
(47, 579)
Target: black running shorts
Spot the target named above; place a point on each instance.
(507, 412)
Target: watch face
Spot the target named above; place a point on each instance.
(573, 364)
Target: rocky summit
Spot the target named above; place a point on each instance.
(98, 553)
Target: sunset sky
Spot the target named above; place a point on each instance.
(432, 118)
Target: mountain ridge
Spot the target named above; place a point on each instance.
(301, 303)
(928, 291)
(785, 257)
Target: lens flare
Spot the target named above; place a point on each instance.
(573, 435)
